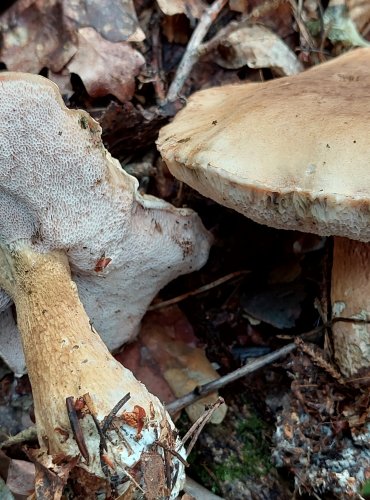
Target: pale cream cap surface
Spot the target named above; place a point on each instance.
(291, 153)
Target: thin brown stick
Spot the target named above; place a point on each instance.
(191, 53)
(197, 291)
(197, 427)
(213, 386)
(109, 418)
(76, 428)
(173, 452)
(303, 31)
(157, 61)
(202, 390)
(90, 406)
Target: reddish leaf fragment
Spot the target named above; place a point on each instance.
(80, 406)
(102, 264)
(135, 418)
(108, 461)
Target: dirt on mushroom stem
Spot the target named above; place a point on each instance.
(66, 358)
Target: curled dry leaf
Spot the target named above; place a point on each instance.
(191, 8)
(257, 47)
(43, 33)
(63, 80)
(26, 43)
(106, 67)
(338, 26)
(166, 360)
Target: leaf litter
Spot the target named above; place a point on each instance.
(132, 66)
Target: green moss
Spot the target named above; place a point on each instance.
(254, 457)
(245, 455)
(365, 491)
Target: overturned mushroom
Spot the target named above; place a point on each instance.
(292, 153)
(60, 189)
(65, 203)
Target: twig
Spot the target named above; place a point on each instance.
(173, 452)
(197, 291)
(157, 61)
(258, 11)
(76, 428)
(90, 406)
(191, 53)
(202, 390)
(318, 359)
(304, 33)
(197, 427)
(213, 386)
(109, 418)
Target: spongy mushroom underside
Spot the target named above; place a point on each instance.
(60, 189)
(292, 153)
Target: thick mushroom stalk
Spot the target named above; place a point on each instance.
(350, 298)
(67, 359)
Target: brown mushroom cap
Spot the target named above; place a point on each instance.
(291, 153)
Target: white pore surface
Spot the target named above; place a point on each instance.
(60, 189)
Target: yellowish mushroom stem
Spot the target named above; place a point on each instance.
(350, 297)
(66, 357)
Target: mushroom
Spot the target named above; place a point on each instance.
(66, 206)
(292, 153)
(66, 192)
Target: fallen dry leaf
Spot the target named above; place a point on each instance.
(136, 358)
(183, 365)
(191, 8)
(176, 29)
(21, 478)
(279, 305)
(43, 33)
(35, 34)
(63, 80)
(106, 67)
(257, 47)
(165, 358)
(115, 20)
(50, 478)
